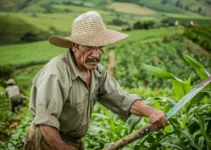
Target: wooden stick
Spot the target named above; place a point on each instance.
(131, 137)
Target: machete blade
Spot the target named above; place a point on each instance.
(188, 97)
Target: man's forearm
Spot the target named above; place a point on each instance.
(53, 138)
(156, 117)
(140, 109)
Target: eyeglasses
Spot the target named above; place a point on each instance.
(92, 48)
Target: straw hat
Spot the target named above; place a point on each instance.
(11, 81)
(88, 29)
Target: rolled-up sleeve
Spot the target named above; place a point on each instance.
(51, 93)
(114, 98)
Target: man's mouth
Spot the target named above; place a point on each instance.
(92, 60)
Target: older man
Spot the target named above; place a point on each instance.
(65, 91)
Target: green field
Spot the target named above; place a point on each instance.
(179, 62)
(131, 8)
(19, 54)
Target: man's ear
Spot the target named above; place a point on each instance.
(73, 46)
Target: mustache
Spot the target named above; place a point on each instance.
(92, 60)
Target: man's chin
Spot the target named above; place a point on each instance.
(92, 66)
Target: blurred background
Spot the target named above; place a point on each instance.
(173, 35)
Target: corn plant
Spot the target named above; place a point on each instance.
(191, 127)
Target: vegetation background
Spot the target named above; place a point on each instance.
(171, 35)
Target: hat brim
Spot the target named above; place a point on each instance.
(103, 38)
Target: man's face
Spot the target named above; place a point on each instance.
(87, 57)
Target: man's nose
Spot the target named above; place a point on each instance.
(96, 52)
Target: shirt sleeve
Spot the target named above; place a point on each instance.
(114, 98)
(51, 93)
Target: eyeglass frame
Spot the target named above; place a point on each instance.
(101, 49)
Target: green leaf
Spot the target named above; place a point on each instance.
(155, 71)
(201, 71)
(203, 107)
(172, 145)
(201, 142)
(132, 121)
(178, 88)
(100, 116)
(202, 127)
(181, 88)
(158, 72)
(157, 105)
(96, 129)
(187, 85)
(186, 133)
(175, 123)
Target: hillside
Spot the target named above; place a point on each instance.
(30, 20)
(201, 7)
(161, 61)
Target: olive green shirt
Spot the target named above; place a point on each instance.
(61, 98)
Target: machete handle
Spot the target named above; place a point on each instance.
(131, 137)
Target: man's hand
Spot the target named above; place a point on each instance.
(157, 118)
(53, 138)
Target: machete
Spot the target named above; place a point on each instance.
(149, 128)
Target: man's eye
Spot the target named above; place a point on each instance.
(89, 49)
(102, 48)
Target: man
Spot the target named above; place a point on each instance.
(13, 92)
(65, 91)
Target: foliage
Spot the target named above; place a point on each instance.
(6, 72)
(146, 24)
(190, 130)
(5, 114)
(23, 55)
(13, 29)
(176, 6)
(24, 76)
(37, 20)
(118, 22)
(39, 52)
(17, 138)
(110, 128)
(200, 35)
(16, 29)
(166, 54)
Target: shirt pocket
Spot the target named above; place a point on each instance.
(71, 117)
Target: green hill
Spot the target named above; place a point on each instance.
(29, 20)
(14, 29)
(201, 7)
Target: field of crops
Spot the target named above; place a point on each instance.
(162, 50)
(161, 65)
